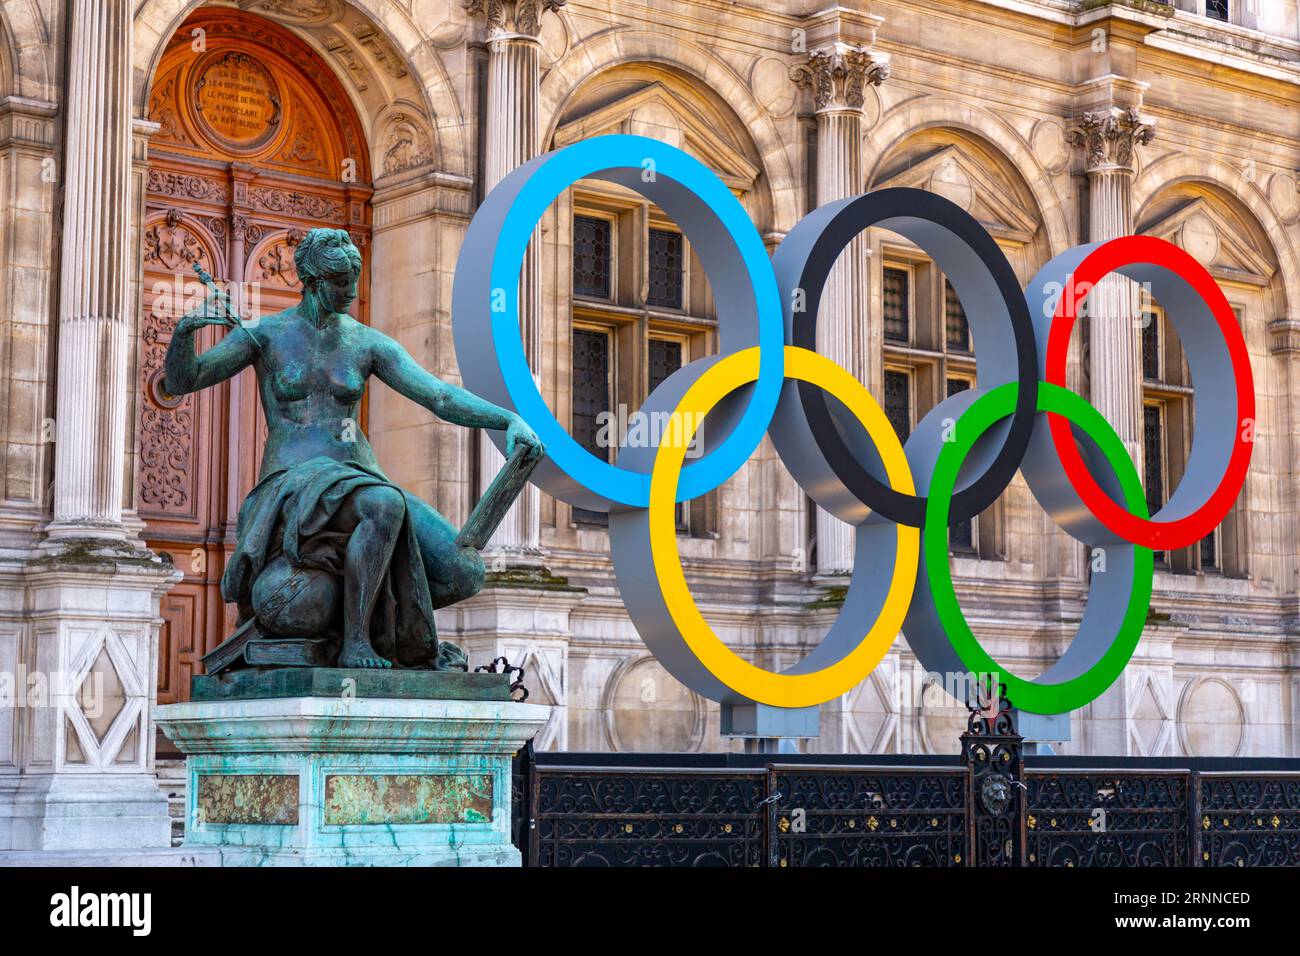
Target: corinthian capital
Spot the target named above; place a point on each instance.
(513, 16)
(839, 77)
(1109, 136)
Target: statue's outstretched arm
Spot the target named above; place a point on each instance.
(187, 371)
(396, 369)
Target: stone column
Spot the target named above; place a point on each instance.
(1128, 718)
(511, 138)
(94, 299)
(86, 653)
(838, 75)
(1108, 138)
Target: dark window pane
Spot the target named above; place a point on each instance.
(956, 331)
(591, 254)
(897, 296)
(1151, 346)
(961, 537)
(898, 403)
(1209, 553)
(1218, 9)
(1153, 441)
(591, 399)
(665, 358)
(665, 269)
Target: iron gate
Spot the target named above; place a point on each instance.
(989, 806)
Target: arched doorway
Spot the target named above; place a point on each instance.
(256, 143)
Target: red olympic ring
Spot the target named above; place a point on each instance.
(1151, 533)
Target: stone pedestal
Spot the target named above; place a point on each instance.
(352, 781)
(83, 659)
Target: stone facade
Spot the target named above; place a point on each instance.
(1053, 122)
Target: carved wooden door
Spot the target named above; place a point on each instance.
(256, 143)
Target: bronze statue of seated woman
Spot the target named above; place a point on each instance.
(325, 527)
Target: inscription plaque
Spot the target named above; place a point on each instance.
(237, 100)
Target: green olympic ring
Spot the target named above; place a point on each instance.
(1036, 696)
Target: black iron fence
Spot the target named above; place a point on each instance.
(990, 806)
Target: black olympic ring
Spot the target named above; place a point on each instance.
(988, 289)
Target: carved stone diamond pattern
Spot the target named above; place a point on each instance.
(101, 695)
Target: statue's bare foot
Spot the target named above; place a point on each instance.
(361, 654)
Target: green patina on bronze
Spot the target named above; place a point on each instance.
(334, 564)
(268, 799)
(343, 682)
(369, 799)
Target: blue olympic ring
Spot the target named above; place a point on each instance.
(721, 232)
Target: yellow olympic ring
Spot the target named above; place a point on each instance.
(755, 683)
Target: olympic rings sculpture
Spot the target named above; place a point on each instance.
(836, 440)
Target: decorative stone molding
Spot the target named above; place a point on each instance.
(217, 228)
(1160, 8)
(361, 77)
(302, 12)
(239, 227)
(839, 77)
(377, 46)
(1284, 335)
(27, 121)
(629, 675)
(406, 145)
(1110, 136)
(513, 16)
(428, 192)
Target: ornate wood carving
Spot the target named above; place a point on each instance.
(257, 91)
(178, 185)
(172, 245)
(302, 205)
(164, 108)
(275, 264)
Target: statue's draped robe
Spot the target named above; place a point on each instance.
(290, 512)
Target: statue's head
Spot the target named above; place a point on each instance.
(329, 266)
